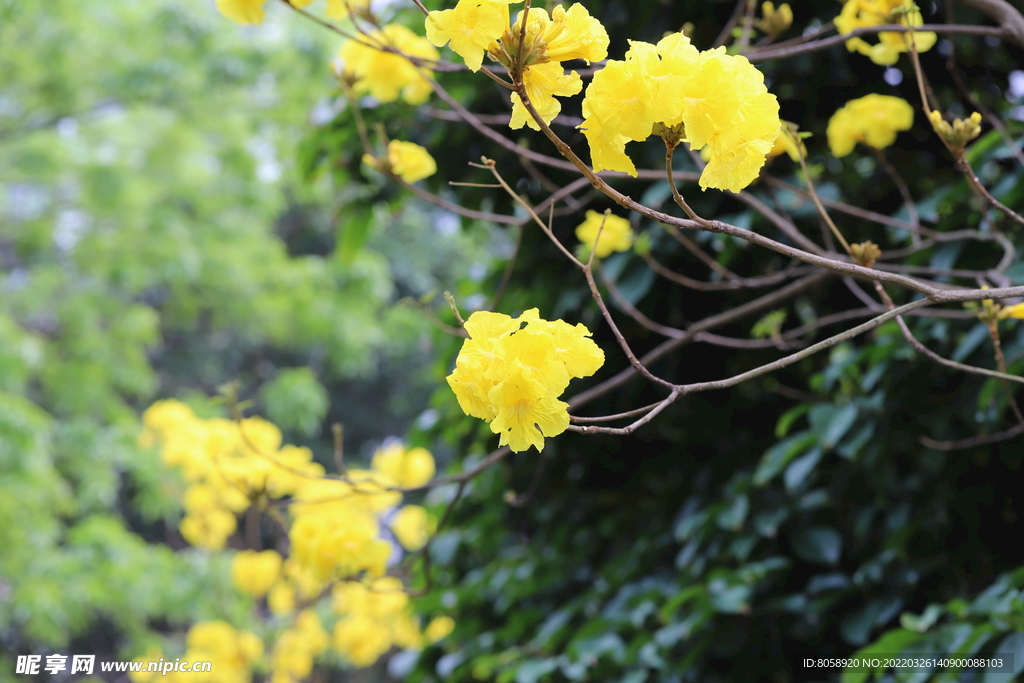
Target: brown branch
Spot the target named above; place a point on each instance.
(711, 322)
(778, 52)
(1004, 14)
(972, 441)
(632, 311)
(742, 283)
(616, 416)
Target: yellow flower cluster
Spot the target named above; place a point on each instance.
(474, 27)
(227, 467)
(860, 13)
(255, 573)
(297, 647)
(370, 65)
(407, 160)
(372, 617)
(232, 655)
(511, 371)
(873, 120)
(335, 539)
(251, 11)
(703, 98)
(611, 232)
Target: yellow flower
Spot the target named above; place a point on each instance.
(387, 75)
(788, 142)
(232, 653)
(340, 9)
(335, 547)
(373, 617)
(438, 628)
(254, 573)
(469, 28)
(863, 13)
(574, 34)
(478, 26)
(409, 161)
(242, 11)
(362, 640)
(510, 373)
(1015, 311)
(411, 526)
(873, 120)
(775, 21)
(251, 11)
(281, 598)
(704, 98)
(543, 82)
(208, 530)
(407, 468)
(615, 235)
(296, 647)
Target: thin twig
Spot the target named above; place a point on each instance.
(971, 442)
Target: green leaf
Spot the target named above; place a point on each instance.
(353, 231)
(838, 424)
(788, 418)
(532, 670)
(922, 623)
(778, 456)
(1013, 645)
(732, 517)
(798, 471)
(818, 544)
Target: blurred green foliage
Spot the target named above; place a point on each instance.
(158, 239)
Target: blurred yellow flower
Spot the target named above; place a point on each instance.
(409, 161)
(615, 235)
(865, 13)
(438, 628)
(254, 573)
(788, 143)
(341, 9)
(297, 647)
(411, 526)
(281, 598)
(232, 653)
(385, 74)
(774, 21)
(407, 468)
(373, 617)
(1014, 311)
(251, 11)
(873, 120)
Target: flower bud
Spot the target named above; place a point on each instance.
(959, 133)
(865, 253)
